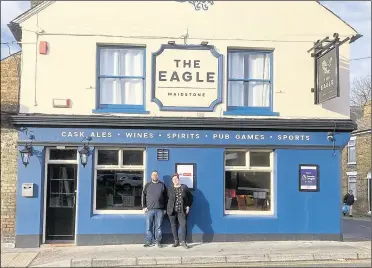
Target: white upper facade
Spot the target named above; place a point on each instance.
(113, 57)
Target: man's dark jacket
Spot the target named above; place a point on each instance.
(349, 199)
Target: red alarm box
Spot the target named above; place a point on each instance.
(43, 47)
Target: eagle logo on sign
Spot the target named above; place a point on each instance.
(326, 66)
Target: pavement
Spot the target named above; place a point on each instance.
(354, 252)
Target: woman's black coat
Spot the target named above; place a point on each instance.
(187, 198)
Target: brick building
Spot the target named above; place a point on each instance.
(356, 163)
(10, 67)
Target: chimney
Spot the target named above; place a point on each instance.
(35, 3)
(367, 109)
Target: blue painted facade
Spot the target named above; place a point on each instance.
(295, 212)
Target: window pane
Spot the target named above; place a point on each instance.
(251, 94)
(247, 190)
(249, 65)
(68, 154)
(132, 157)
(259, 159)
(119, 190)
(235, 158)
(108, 157)
(121, 62)
(351, 155)
(121, 91)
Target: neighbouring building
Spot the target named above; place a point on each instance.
(356, 164)
(112, 90)
(10, 69)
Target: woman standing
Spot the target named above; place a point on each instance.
(179, 203)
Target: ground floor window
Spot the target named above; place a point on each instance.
(352, 185)
(119, 175)
(248, 181)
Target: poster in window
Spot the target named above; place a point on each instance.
(309, 178)
(186, 172)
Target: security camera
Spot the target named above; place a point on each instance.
(330, 137)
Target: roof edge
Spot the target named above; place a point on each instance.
(351, 27)
(32, 11)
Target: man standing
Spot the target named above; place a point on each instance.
(349, 201)
(154, 198)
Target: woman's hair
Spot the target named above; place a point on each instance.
(176, 175)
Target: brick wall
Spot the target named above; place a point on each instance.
(363, 165)
(9, 152)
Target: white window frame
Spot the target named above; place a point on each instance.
(352, 140)
(248, 168)
(352, 179)
(120, 166)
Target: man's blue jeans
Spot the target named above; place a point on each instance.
(154, 219)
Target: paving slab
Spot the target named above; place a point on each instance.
(203, 259)
(336, 256)
(6, 258)
(291, 257)
(247, 258)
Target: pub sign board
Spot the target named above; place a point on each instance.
(187, 78)
(328, 75)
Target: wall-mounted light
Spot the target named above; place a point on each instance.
(26, 152)
(85, 152)
(204, 43)
(331, 138)
(171, 42)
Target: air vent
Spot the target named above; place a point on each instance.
(163, 154)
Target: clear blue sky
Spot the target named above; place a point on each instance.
(356, 13)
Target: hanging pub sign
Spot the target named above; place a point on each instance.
(186, 78)
(327, 82)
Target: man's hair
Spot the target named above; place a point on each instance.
(155, 172)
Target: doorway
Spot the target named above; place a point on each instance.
(60, 195)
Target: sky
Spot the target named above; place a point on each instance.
(355, 13)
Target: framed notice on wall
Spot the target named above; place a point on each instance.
(309, 178)
(187, 174)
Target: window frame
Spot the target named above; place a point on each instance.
(248, 168)
(119, 108)
(120, 166)
(246, 110)
(352, 139)
(353, 179)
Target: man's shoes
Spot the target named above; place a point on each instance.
(159, 245)
(147, 244)
(184, 245)
(176, 244)
(350, 215)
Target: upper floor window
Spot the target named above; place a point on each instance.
(249, 89)
(121, 78)
(351, 152)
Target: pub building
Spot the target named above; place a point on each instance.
(253, 118)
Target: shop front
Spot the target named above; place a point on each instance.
(247, 184)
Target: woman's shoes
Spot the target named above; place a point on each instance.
(176, 244)
(184, 245)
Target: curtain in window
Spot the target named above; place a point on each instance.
(125, 68)
(245, 66)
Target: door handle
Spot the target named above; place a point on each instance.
(74, 202)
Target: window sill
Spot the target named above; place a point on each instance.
(241, 213)
(118, 212)
(251, 112)
(123, 111)
(352, 163)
